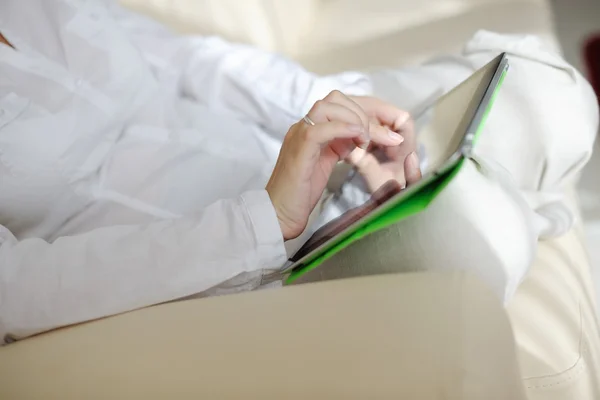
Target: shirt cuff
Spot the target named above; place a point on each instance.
(267, 232)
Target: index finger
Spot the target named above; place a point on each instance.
(341, 98)
(338, 97)
(410, 142)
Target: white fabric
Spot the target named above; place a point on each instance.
(112, 129)
(108, 124)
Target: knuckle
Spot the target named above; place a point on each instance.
(319, 104)
(292, 132)
(335, 94)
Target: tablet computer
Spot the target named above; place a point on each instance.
(448, 130)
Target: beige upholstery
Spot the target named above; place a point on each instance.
(553, 316)
(403, 337)
(271, 25)
(553, 313)
(197, 347)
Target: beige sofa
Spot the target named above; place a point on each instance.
(354, 339)
(192, 349)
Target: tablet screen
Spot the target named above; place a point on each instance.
(440, 128)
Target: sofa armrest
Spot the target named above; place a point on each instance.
(413, 336)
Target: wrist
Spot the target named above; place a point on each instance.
(286, 225)
(265, 228)
(286, 232)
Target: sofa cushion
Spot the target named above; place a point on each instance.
(553, 315)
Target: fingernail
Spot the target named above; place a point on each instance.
(403, 119)
(365, 145)
(395, 136)
(413, 161)
(356, 128)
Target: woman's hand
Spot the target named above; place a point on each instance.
(399, 162)
(310, 152)
(376, 171)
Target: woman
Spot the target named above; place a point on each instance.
(138, 167)
(133, 163)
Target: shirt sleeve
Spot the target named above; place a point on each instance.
(120, 268)
(267, 88)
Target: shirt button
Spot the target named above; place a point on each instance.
(79, 82)
(8, 339)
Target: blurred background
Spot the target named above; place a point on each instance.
(327, 36)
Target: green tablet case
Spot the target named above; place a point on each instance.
(411, 205)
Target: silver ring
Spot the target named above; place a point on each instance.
(308, 120)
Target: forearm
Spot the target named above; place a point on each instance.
(116, 269)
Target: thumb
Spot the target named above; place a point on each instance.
(412, 170)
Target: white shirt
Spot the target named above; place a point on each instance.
(133, 161)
